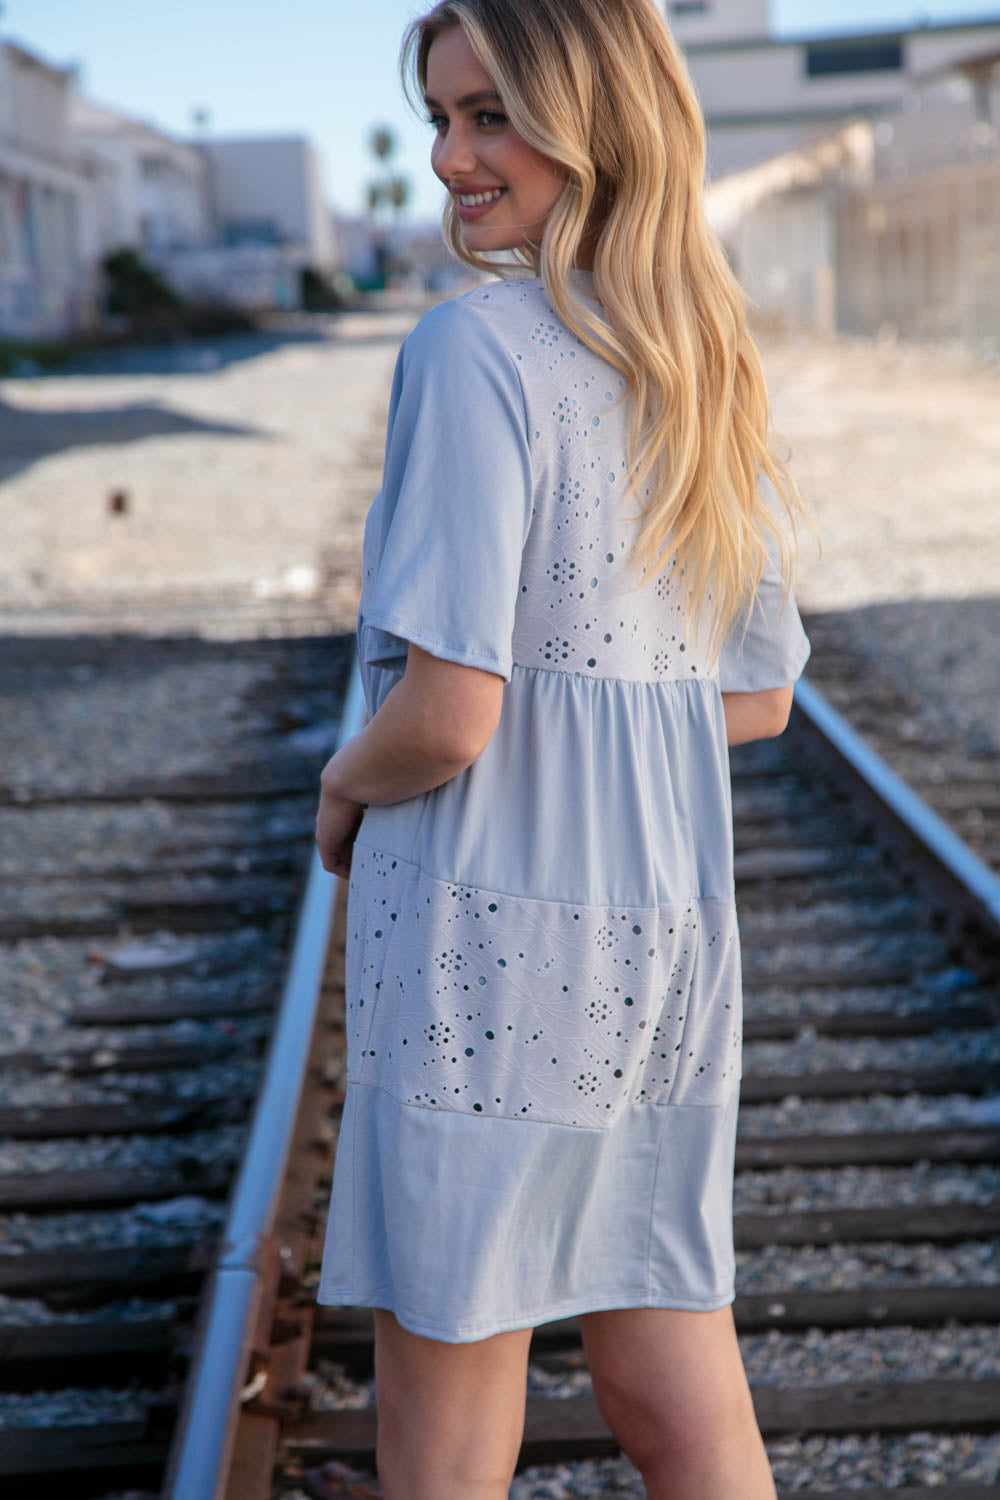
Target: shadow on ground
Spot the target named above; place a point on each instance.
(28, 435)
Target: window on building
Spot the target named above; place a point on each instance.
(252, 232)
(869, 54)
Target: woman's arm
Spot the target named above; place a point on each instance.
(756, 716)
(434, 722)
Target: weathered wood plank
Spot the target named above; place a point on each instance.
(134, 1012)
(95, 1338)
(248, 894)
(966, 1017)
(890, 1406)
(766, 864)
(106, 1187)
(102, 1273)
(557, 1431)
(914, 1307)
(247, 783)
(57, 1450)
(41, 1122)
(82, 1062)
(785, 831)
(806, 891)
(846, 1083)
(853, 976)
(907, 1224)
(882, 1148)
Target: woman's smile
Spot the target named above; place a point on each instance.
(472, 204)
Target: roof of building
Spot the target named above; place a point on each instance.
(818, 38)
(24, 55)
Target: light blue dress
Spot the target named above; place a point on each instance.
(544, 1018)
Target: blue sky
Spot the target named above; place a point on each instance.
(321, 68)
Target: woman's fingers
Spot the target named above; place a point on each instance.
(337, 823)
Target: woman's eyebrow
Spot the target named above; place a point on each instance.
(485, 96)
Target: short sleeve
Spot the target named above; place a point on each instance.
(452, 517)
(775, 648)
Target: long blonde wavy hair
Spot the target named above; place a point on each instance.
(601, 88)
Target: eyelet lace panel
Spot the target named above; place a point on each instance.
(467, 999)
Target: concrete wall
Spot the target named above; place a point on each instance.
(784, 254)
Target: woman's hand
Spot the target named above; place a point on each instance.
(337, 822)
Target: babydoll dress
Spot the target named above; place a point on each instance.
(544, 1018)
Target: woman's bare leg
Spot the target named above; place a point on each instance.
(672, 1388)
(450, 1416)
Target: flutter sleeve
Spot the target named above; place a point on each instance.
(775, 648)
(455, 506)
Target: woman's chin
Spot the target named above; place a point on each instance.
(479, 237)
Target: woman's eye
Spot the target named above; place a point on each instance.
(489, 118)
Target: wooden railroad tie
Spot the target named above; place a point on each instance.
(560, 1431)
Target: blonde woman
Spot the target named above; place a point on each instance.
(575, 593)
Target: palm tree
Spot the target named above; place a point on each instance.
(391, 190)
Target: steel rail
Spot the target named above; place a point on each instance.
(976, 883)
(201, 1449)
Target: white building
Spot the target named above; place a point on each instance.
(46, 205)
(153, 191)
(271, 222)
(236, 220)
(269, 192)
(763, 95)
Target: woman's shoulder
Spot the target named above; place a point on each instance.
(492, 307)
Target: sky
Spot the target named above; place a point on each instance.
(325, 69)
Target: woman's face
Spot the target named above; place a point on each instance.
(477, 151)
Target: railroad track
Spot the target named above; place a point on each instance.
(946, 765)
(157, 804)
(872, 1074)
(867, 1193)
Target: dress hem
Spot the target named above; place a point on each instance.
(466, 1333)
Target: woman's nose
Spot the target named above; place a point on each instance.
(454, 154)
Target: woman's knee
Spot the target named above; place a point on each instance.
(667, 1381)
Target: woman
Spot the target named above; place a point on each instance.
(574, 595)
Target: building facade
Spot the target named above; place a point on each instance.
(233, 220)
(153, 192)
(46, 202)
(269, 192)
(765, 95)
